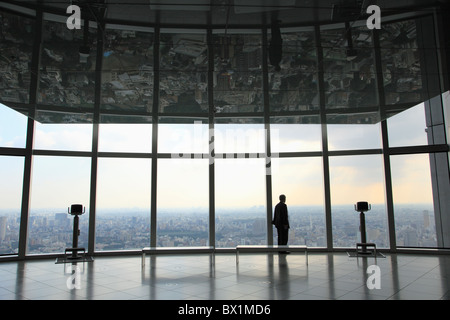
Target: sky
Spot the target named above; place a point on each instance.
(126, 183)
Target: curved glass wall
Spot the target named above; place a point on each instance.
(193, 135)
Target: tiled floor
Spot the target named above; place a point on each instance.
(257, 277)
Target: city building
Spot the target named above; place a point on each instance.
(168, 122)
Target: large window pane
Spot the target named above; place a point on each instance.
(183, 139)
(123, 204)
(240, 196)
(353, 179)
(125, 137)
(295, 134)
(301, 180)
(408, 128)
(57, 183)
(183, 202)
(413, 201)
(11, 181)
(353, 132)
(63, 136)
(13, 128)
(245, 137)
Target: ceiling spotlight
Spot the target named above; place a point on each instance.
(351, 54)
(84, 54)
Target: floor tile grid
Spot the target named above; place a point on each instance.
(258, 276)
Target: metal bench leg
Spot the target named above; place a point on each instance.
(143, 260)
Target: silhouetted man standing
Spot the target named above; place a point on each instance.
(281, 221)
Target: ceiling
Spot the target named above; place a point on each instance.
(230, 13)
(222, 13)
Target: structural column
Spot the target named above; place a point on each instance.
(325, 154)
(268, 155)
(385, 143)
(95, 133)
(155, 120)
(211, 142)
(433, 81)
(28, 165)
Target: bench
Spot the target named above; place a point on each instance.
(74, 252)
(364, 250)
(158, 250)
(270, 248)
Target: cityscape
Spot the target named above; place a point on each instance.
(130, 229)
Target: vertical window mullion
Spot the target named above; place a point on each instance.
(26, 188)
(323, 121)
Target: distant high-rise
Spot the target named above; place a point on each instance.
(61, 219)
(259, 226)
(411, 238)
(426, 219)
(3, 224)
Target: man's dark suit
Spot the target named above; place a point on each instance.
(281, 222)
